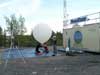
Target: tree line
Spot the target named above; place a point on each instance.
(15, 30)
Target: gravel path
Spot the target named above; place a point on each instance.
(80, 64)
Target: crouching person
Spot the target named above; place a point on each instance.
(46, 48)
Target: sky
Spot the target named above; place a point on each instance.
(46, 11)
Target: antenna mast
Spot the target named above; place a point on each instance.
(65, 13)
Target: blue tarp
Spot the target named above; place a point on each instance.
(15, 53)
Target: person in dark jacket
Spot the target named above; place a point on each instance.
(54, 42)
(37, 48)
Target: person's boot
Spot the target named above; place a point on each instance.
(53, 55)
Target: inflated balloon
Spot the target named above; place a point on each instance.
(42, 33)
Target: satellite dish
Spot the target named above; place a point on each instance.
(42, 33)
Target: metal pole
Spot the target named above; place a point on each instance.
(64, 13)
(99, 17)
(6, 62)
(20, 53)
(11, 47)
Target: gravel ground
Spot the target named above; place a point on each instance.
(79, 64)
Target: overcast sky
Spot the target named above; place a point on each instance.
(46, 11)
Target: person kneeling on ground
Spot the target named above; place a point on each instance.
(46, 48)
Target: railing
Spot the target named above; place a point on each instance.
(87, 19)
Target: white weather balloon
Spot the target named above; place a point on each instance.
(42, 33)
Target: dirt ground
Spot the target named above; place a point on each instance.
(79, 64)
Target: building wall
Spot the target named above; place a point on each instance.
(90, 37)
